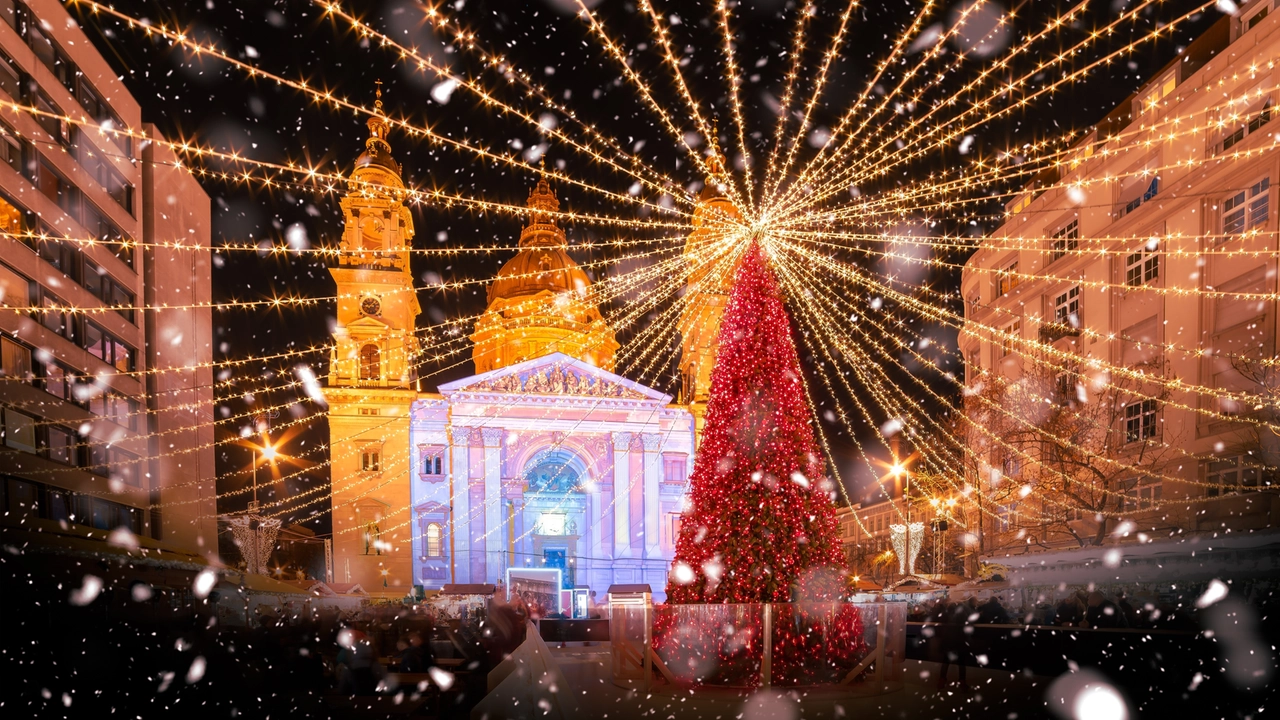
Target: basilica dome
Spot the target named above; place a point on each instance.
(543, 263)
(534, 270)
(541, 301)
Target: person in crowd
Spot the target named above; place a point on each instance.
(954, 643)
(1070, 612)
(416, 657)
(1131, 615)
(992, 612)
(358, 669)
(1102, 613)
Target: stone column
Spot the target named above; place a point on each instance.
(460, 506)
(621, 495)
(652, 507)
(495, 539)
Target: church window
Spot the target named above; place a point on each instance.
(372, 539)
(433, 540)
(371, 461)
(370, 362)
(553, 474)
(432, 462)
(673, 528)
(673, 469)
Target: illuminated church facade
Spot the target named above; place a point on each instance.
(543, 459)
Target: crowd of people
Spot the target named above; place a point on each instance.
(1079, 609)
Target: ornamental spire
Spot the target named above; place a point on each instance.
(542, 200)
(378, 125)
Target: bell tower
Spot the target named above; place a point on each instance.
(709, 279)
(372, 374)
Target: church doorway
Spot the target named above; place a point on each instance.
(558, 559)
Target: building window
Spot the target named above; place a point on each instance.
(1007, 279)
(101, 169)
(1229, 475)
(1140, 421)
(673, 469)
(11, 149)
(55, 316)
(61, 445)
(1064, 240)
(59, 382)
(1160, 89)
(434, 548)
(432, 462)
(1064, 386)
(1247, 209)
(369, 411)
(118, 408)
(10, 77)
(1133, 203)
(371, 461)
(1004, 518)
(19, 430)
(1011, 333)
(1010, 466)
(1066, 308)
(107, 348)
(370, 362)
(50, 118)
(372, 539)
(1141, 494)
(1142, 267)
(1251, 21)
(673, 527)
(1251, 125)
(52, 185)
(15, 359)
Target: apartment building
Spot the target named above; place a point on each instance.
(1136, 281)
(107, 408)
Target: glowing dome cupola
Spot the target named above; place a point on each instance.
(541, 301)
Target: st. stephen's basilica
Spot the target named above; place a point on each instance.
(545, 458)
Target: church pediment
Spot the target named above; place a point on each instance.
(366, 324)
(554, 374)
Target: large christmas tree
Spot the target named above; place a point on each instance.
(761, 525)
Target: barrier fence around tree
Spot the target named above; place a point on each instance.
(759, 644)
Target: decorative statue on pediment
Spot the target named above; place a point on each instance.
(556, 376)
(552, 477)
(537, 383)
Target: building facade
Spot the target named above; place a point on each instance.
(1136, 281)
(543, 459)
(108, 409)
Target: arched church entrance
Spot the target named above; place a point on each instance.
(556, 507)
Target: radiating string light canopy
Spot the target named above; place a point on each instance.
(842, 214)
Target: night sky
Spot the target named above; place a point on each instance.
(205, 100)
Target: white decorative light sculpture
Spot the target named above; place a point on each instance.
(907, 540)
(256, 536)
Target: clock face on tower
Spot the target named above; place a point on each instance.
(370, 305)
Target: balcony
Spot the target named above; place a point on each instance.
(1051, 331)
